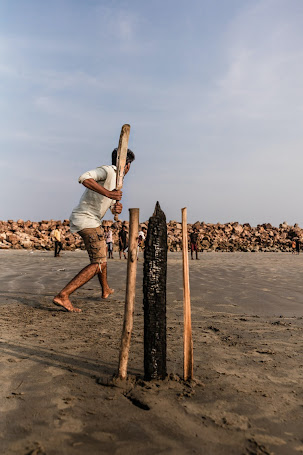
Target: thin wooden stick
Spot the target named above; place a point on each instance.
(130, 291)
(188, 365)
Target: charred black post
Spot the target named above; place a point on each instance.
(154, 296)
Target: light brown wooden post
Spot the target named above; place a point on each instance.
(188, 364)
(130, 291)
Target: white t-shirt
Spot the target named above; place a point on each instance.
(142, 235)
(93, 206)
(109, 236)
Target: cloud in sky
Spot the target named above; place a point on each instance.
(213, 93)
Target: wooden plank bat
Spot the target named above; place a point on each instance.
(121, 158)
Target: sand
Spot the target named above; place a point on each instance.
(57, 396)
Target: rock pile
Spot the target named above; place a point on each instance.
(35, 235)
(237, 237)
(213, 237)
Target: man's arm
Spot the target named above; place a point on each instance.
(91, 184)
(91, 178)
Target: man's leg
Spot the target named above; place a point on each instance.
(62, 299)
(96, 248)
(60, 248)
(197, 252)
(56, 246)
(102, 276)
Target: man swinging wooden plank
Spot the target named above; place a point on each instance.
(101, 194)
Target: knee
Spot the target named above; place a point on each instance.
(94, 266)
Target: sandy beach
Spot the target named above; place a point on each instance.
(57, 396)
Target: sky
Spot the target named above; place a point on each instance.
(212, 90)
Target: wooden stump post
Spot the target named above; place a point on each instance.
(188, 364)
(130, 291)
(154, 296)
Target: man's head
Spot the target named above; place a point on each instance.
(123, 227)
(58, 226)
(129, 159)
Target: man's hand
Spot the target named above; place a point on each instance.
(117, 208)
(115, 194)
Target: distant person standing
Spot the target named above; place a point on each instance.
(298, 245)
(194, 237)
(122, 241)
(293, 247)
(141, 239)
(56, 235)
(109, 243)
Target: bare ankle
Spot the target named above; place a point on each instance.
(107, 292)
(62, 295)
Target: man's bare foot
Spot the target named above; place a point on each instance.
(64, 302)
(108, 292)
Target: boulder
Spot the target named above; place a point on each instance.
(238, 229)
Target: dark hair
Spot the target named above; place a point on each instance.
(129, 159)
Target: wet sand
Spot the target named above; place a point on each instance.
(56, 367)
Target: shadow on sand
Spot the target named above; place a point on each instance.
(72, 363)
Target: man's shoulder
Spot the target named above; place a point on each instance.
(107, 167)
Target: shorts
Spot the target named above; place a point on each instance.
(94, 242)
(122, 246)
(109, 246)
(193, 247)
